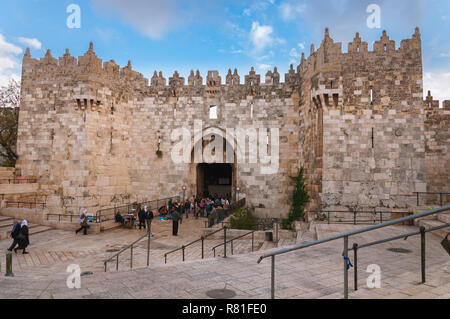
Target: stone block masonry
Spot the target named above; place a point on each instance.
(356, 121)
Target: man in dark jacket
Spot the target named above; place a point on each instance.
(187, 207)
(142, 215)
(175, 219)
(149, 218)
(14, 233)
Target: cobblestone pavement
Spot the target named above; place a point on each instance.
(316, 272)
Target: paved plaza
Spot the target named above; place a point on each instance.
(315, 272)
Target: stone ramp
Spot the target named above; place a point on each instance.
(316, 272)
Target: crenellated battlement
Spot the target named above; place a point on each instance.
(432, 106)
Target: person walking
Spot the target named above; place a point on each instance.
(14, 233)
(142, 215)
(23, 237)
(187, 207)
(83, 223)
(175, 219)
(149, 218)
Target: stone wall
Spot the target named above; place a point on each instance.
(89, 130)
(437, 142)
(370, 122)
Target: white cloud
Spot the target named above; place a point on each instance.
(262, 37)
(438, 83)
(152, 18)
(263, 67)
(290, 11)
(445, 55)
(8, 48)
(9, 61)
(301, 45)
(31, 43)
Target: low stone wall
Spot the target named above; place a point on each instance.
(8, 189)
(34, 216)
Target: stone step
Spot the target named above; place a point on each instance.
(434, 223)
(109, 225)
(5, 230)
(37, 229)
(444, 218)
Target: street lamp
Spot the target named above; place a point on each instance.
(184, 192)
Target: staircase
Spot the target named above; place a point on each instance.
(435, 221)
(6, 224)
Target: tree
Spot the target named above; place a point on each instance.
(300, 199)
(9, 122)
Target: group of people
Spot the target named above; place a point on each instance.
(20, 236)
(206, 207)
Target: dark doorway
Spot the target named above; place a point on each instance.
(214, 180)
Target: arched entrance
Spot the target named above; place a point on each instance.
(215, 180)
(213, 177)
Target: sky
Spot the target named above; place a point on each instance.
(169, 35)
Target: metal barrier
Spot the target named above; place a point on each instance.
(30, 205)
(60, 217)
(369, 217)
(432, 201)
(202, 239)
(116, 256)
(108, 214)
(421, 232)
(232, 240)
(344, 236)
(224, 213)
(18, 181)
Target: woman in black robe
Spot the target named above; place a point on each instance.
(23, 237)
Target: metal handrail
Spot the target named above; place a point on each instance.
(202, 239)
(356, 213)
(345, 236)
(232, 240)
(116, 256)
(31, 204)
(431, 193)
(421, 232)
(115, 209)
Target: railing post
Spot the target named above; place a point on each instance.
(183, 252)
(105, 265)
(422, 252)
(225, 242)
(273, 278)
(131, 262)
(328, 218)
(440, 199)
(117, 263)
(354, 218)
(346, 267)
(355, 250)
(148, 249)
(253, 240)
(9, 271)
(214, 250)
(232, 250)
(165, 258)
(417, 198)
(203, 248)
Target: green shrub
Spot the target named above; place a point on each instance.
(300, 199)
(242, 220)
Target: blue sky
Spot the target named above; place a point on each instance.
(171, 35)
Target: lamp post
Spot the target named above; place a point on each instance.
(184, 192)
